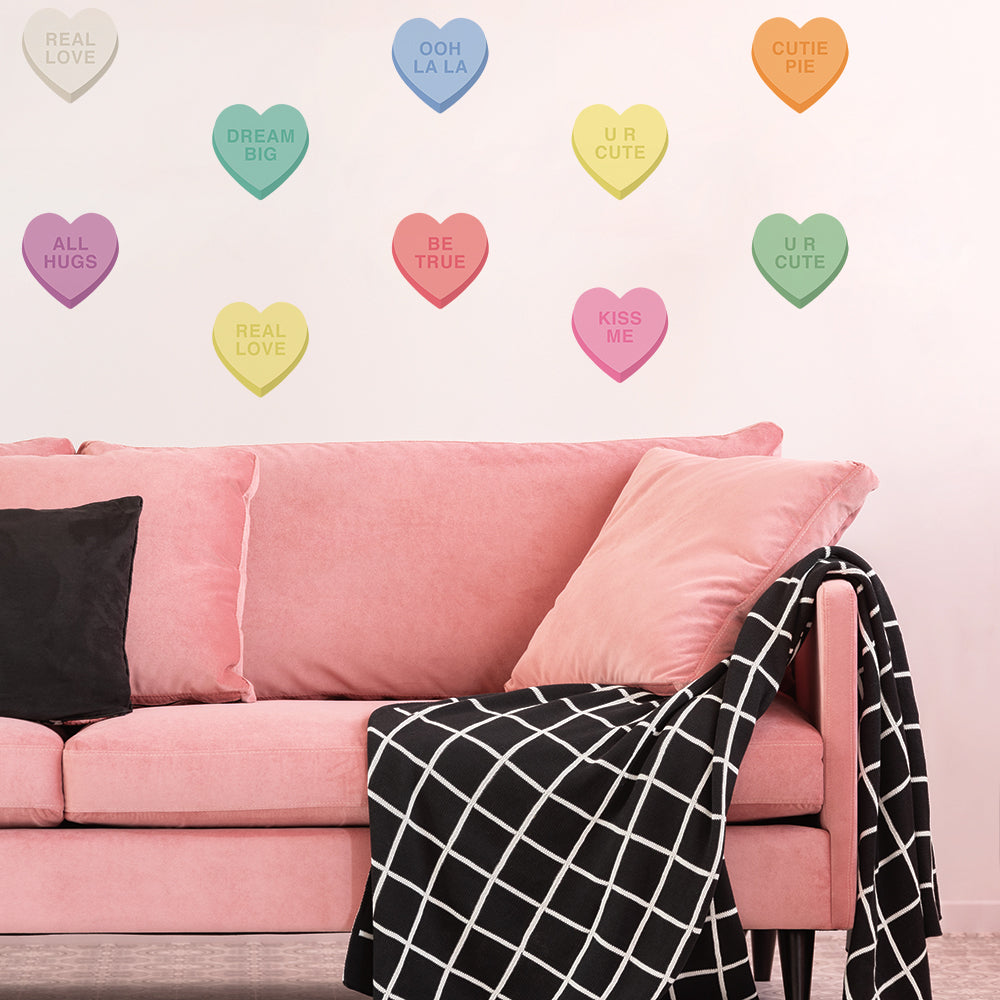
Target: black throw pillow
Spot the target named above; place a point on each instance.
(65, 579)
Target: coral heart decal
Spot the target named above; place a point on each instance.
(70, 259)
(441, 259)
(800, 64)
(260, 349)
(799, 260)
(619, 150)
(619, 334)
(260, 151)
(439, 64)
(70, 53)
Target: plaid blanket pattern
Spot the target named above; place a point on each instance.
(566, 842)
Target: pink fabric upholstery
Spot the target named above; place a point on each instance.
(31, 792)
(691, 544)
(303, 763)
(421, 569)
(826, 681)
(782, 772)
(183, 639)
(39, 446)
(275, 763)
(89, 880)
(69, 881)
(781, 876)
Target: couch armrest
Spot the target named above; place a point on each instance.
(826, 686)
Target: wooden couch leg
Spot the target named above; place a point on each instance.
(796, 951)
(762, 947)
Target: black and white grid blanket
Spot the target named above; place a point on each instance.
(566, 842)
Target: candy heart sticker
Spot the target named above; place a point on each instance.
(441, 259)
(799, 64)
(800, 260)
(439, 64)
(619, 334)
(70, 53)
(260, 349)
(619, 150)
(260, 151)
(70, 259)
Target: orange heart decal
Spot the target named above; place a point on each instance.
(800, 64)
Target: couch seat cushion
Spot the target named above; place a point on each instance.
(276, 763)
(304, 763)
(782, 771)
(31, 791)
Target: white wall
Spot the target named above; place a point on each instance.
(895, 364)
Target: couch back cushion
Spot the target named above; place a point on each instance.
(183, 638)
(421, 569)
(39, 446)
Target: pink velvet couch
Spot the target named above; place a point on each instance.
(387, 571)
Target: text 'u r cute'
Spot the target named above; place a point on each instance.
(799, 260)
(619, 150)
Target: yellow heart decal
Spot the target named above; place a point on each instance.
(620, 150)
(260, 348)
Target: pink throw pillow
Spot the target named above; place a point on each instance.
(688, 548)
(39, 446)
(183, 640)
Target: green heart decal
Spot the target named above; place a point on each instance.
(799, 260)
(260, 151)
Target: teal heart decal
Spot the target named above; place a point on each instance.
(799, 260)
(260, 151)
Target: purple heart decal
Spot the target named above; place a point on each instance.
(70, 259)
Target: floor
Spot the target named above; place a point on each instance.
(308, 967)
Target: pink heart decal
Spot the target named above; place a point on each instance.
(620, 334)
(441, 259)
(70, 259)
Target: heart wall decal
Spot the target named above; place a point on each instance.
(799, 260)
(260, 151)
(619, 334)
(70, 259)
(440, 65)
(260, 348)
(440, 259)
(70, 54)
(619, 150)
(800, 64)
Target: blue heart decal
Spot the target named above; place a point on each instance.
(439, 64)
